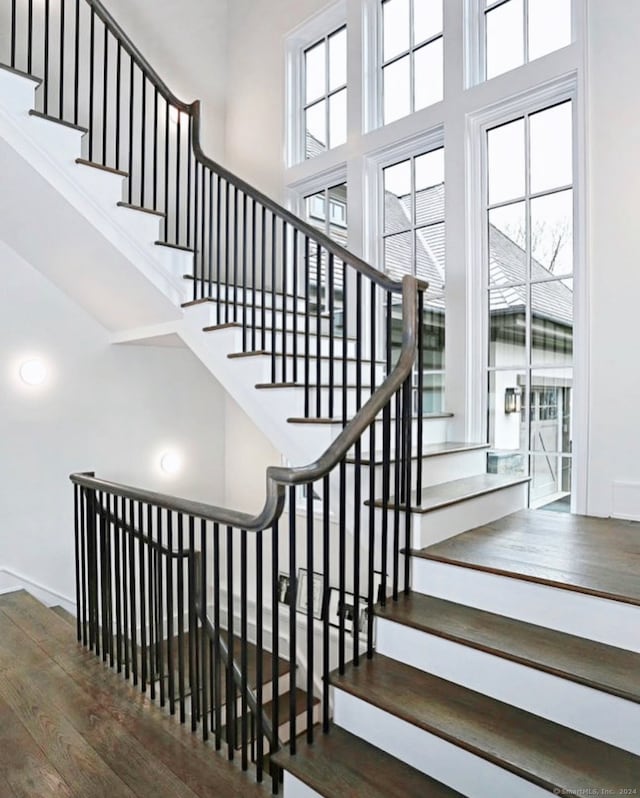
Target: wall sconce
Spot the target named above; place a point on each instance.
(33, 372)
(512, 400)
(171, 463)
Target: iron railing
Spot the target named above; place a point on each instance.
(216, 598)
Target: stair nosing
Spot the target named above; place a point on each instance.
(181, 248)
(329, 421)
(102, 167)
(21, 74)
(387, 613)
(269, 330)
(462, 448)
(48, 118)
(131, 207)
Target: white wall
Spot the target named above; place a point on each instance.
(256, 99)
(614, 251)
(247, 455)
(186, 43)
(110, 409)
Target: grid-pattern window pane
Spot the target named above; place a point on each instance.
(412, 56)
(327, 210)
(519, 31)
(414, 243)
(325, 93)
(530, 203)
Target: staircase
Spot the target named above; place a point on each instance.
(478, 676)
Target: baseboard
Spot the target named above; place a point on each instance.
(10, 581)
(626, 501)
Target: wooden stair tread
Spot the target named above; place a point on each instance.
(436, 497)
(252, 661)
(87, 726)
(301, 356)
(300, 330)
(263, 386)
(596, 665)
(430, 450)
(538, 750)
(284, 705)
(340, 764)
(140, 208)
(182, 248)
(102, 167)
(570, 552)
(425, 417)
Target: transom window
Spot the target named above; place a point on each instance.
(412, 56)
(519, 31)
(530, 298)
(325, 93)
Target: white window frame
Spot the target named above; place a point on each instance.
(475, 39)
(301, 39)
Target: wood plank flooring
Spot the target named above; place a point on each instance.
(70, 727)
(598, 556)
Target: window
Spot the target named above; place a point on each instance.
(414, 242)
(412, 56)
(519, 31)
(325, 94)
(530, 296)
(334, 224)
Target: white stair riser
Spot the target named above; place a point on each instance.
(144, 226)
(441, 760)
(605, 717)
(105, 187)
(64, 141)
(17, 93)
(435, 469)
(175, 262)
(611, 622)
(446, 522)
(294, 788)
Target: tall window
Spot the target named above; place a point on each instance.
(414, 243)
(327, 210)
(325, 104)
(412, 56)
(519, 31)
(530, 298)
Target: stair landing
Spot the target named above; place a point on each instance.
(70, 727)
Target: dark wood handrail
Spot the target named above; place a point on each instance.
(279, 477)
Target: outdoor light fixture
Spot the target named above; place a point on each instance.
(33, 372)
(171, 463)
(512, 400)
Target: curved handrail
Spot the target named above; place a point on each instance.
(194, 110)
(279, 477)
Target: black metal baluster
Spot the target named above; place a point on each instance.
(332, 329)
(30, 37)
(82, 607)
(319, 339)
(109, 576)
(76, 65)
(181, 671)
(420, 395)
(127, 577)
(178, 164)
(310, 611)
(275, 643)
(210, 248)
(194, 686)
(244, 272)
(156, 99)
(76, 539)
(285, 267)
(171, 674)
(216, 693)
(293, 622)
(227, 247)
(105, 94)
(118, 130)
(92, 44)
(345, 349)
(307, 326)
(254, 262)
(132, 594)
(263, 275)
(202, 611)
(371, 598)
(244, 659)
(13, 33)
(188, 198)
(103, 579)
(294, 307)
(260, 654)
(218, 248)
(235, 254)
(62, 49)
(143, 142)
(397, 499)
(167, 142)
(45, 92)
(357, 510)
(408, 395)
(151, 592)
(118, 579)
(160, 608)
(231, 691)
(141, 598)
(342, 569)
(326, 581)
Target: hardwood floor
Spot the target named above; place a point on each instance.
(592, 555)
(70, 727)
